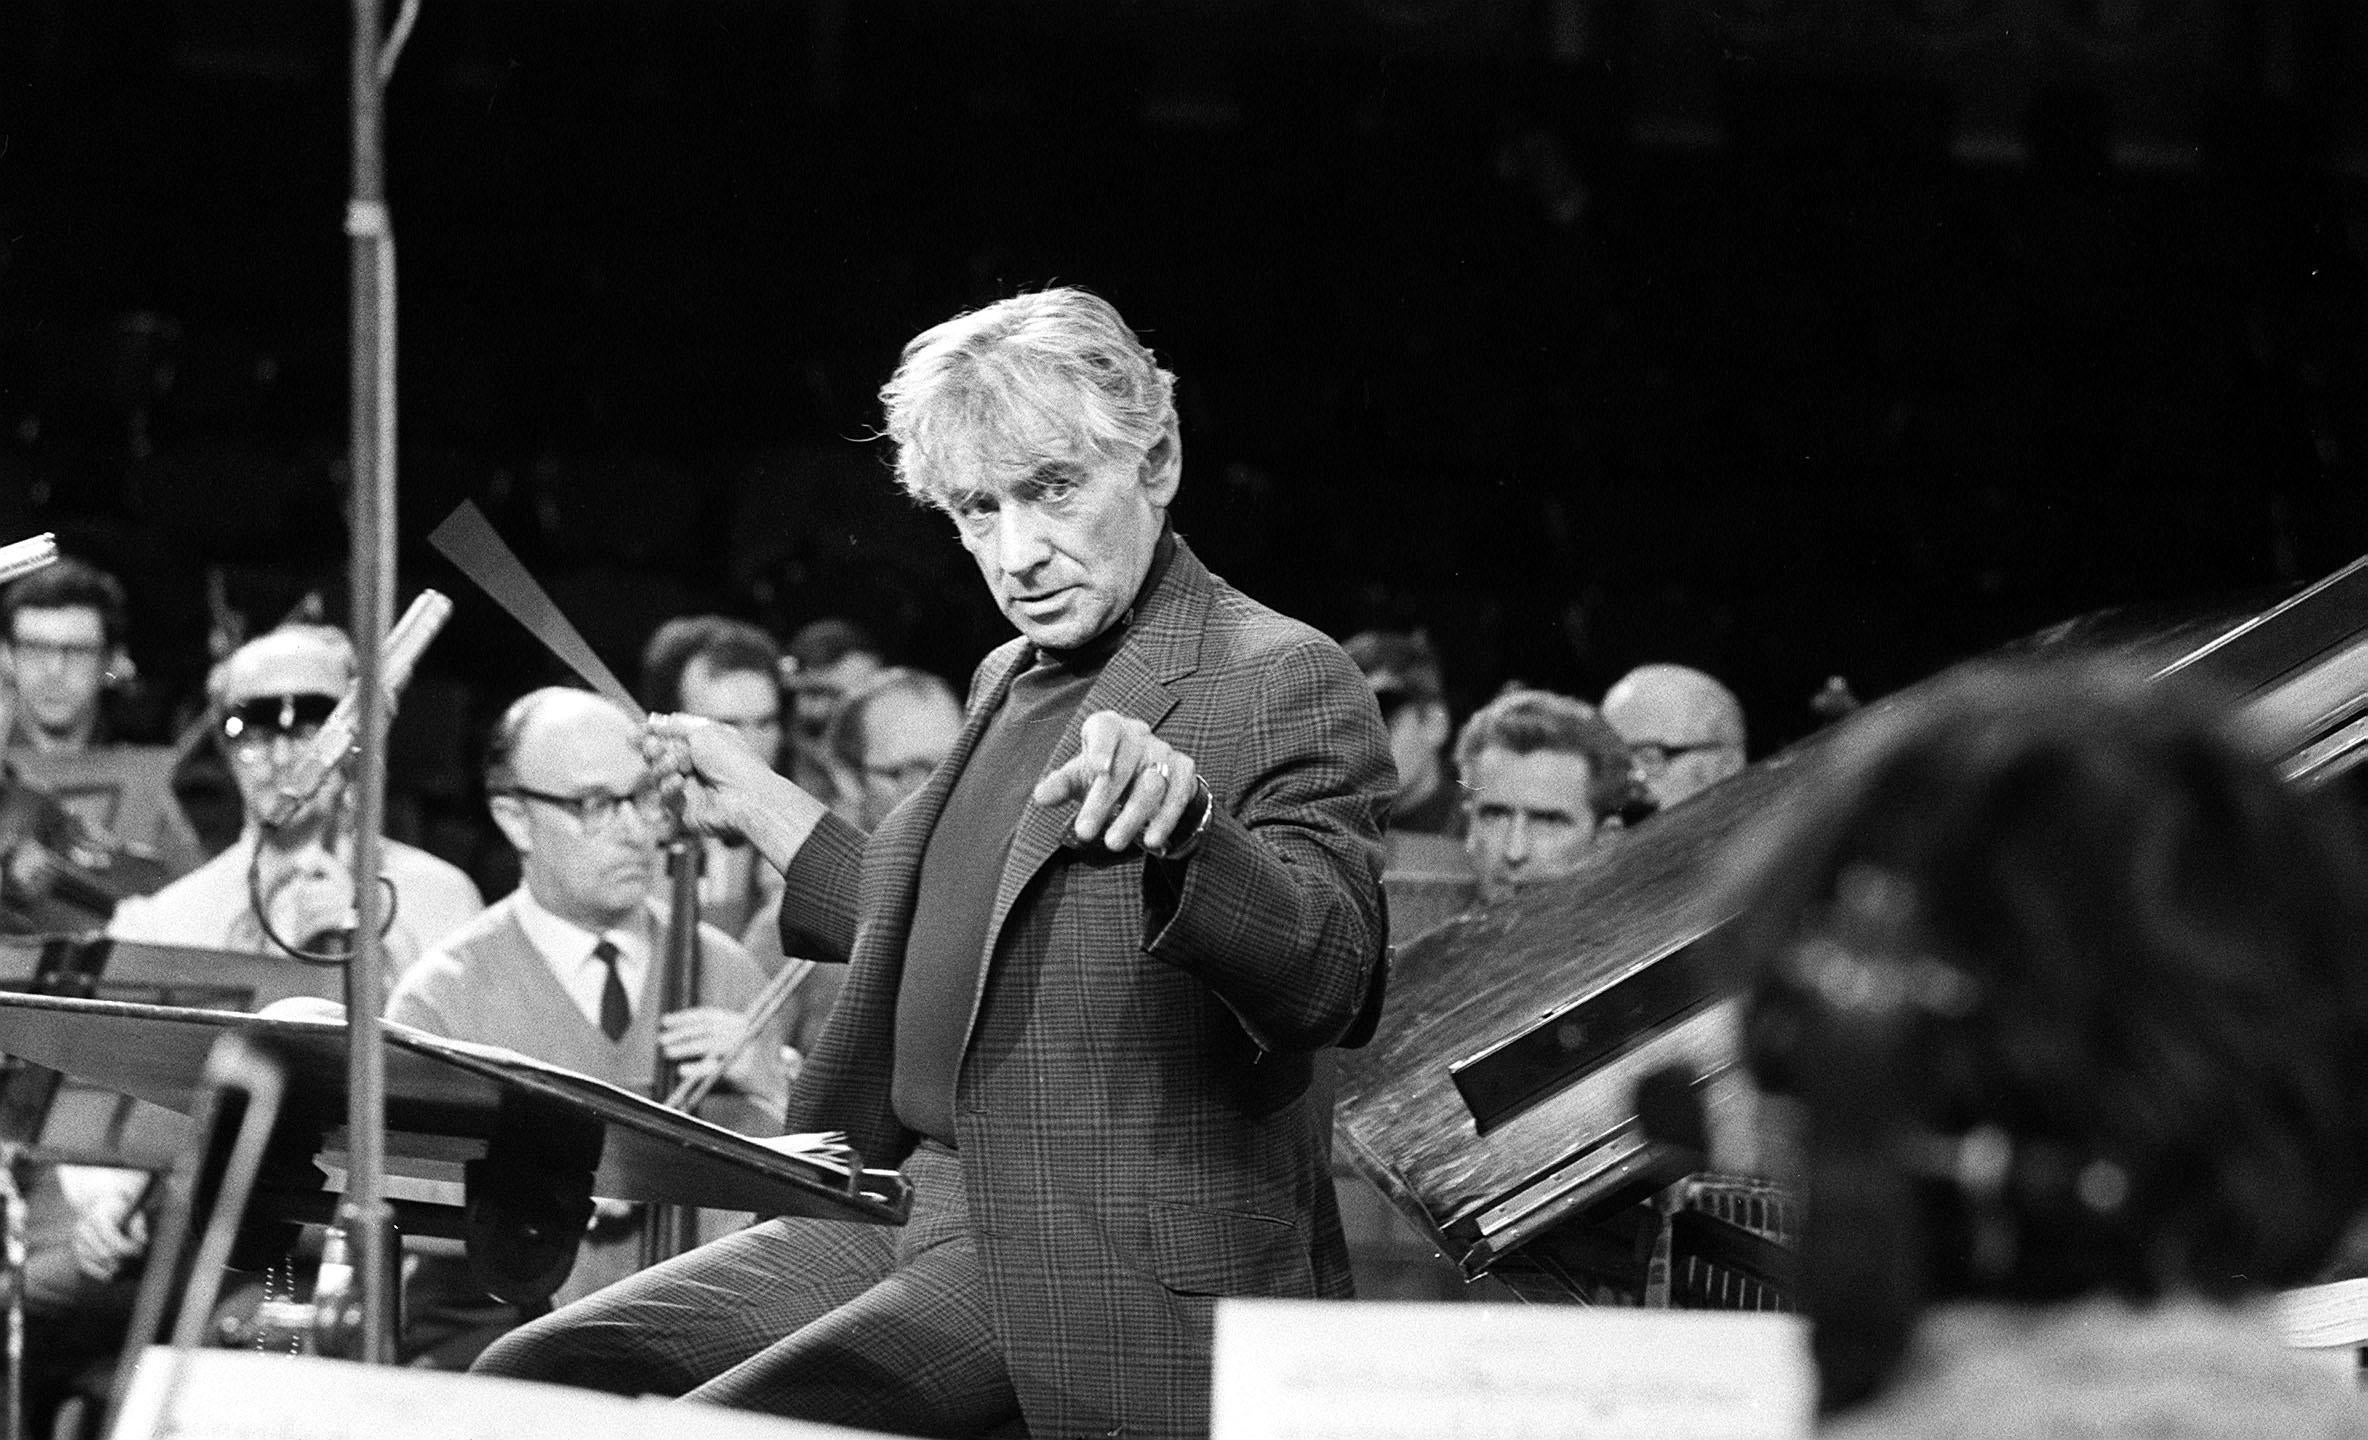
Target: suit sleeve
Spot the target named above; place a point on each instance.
(1279, 909)
(820, 891)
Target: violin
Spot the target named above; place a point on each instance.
(87, 874)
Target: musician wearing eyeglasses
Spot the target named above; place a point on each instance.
(84, 820)
(569, 966)
(1683, 728)
(289, 887)
(1543, 777)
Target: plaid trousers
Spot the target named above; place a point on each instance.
(845, 1324)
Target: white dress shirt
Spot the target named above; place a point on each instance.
(567, 948)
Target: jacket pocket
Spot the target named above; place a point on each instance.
(1200, 1250)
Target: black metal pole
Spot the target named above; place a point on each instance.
(365, 1214)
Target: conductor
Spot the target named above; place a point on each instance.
(1091, 961)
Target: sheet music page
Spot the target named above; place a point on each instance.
(1322, 1370)
(2320, 1316)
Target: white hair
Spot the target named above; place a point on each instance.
(1047, 378)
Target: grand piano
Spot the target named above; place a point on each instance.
(1497, 1110)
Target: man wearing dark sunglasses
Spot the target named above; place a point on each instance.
(269, 699)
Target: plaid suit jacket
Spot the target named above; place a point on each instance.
(1134, 1108)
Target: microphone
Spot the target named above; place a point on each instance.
(326, 755)
(26, 556)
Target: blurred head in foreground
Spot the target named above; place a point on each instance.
(2069, 991)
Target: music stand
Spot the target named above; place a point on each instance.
(455, 1112)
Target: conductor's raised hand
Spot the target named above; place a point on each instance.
(726, 788)
(1131, 787)
(712, 770)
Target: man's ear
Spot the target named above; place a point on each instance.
(510, 817)
(1163, 467)
(119, 670)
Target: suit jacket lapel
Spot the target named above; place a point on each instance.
(1164, 644)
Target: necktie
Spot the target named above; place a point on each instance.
(616, 1015)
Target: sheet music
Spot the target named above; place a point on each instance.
(1321, 1370)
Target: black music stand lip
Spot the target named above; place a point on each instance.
(444, 1090)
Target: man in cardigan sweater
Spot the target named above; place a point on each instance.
(569, 968)
(1091, 960)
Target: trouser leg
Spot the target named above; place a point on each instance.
(915, 1354)
(672, 1327)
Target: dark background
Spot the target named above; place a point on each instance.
(1781, 337)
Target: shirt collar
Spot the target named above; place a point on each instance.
(564, 940)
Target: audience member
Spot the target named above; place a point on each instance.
(728, 671)
(1542, 773)
(1684, 729)
(1403, 670)
(269, 699)
(569, 968)
(2069, 996)
(61, 646)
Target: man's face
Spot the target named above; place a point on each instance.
(1064, 550)
(593, 864)
(1681, 746)
(1530, 817)
(747, 700)
(276, 691)
(58, 660)
(905, 735)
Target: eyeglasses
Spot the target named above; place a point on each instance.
(61, 653)
(904, 774)
(261, 719)
(1653, 757)
(595, 809)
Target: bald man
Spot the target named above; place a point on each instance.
(569, 967)
(1684, 729)
(269, 699)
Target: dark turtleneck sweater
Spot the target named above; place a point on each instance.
(963, 866)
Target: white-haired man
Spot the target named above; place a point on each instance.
(1091, 961)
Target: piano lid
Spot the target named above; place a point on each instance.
(1495, 1103)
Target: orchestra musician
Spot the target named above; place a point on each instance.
(568, 968)
(269, 698)
(84, 820)
(1091, 962)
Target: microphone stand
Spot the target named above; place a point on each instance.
(364, 1215)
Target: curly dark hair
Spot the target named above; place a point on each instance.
(728, 646)
(2074, 994)
(70, 584)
